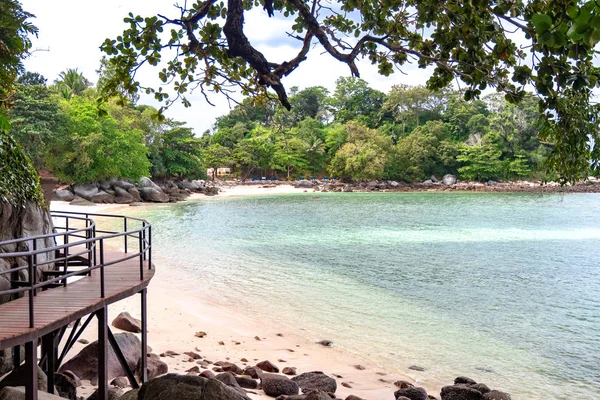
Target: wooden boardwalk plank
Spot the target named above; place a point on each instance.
(59, 306)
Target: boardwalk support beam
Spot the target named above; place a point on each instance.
(143, 360)
(122, 360)
(31, 366)
(101, 314)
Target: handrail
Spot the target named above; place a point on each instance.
(88, 241)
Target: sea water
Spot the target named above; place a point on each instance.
(503, 288)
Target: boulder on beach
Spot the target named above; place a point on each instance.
(19, 377)
(65, 386)
(85, 364)
(154, 367)
(63, 195)
(317, 395)
(449, 179)
(228, 379)
(18, 393)
(185, 387)
(267, 366)
(155, 195)
(412, 393)
(496, 395)
(137, 197)
(114, 393)
(460, 392)
(125, 322)
(315, 380)
(276, 385)
(80, 201)
(85, 190)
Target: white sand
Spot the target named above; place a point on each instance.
(175, 315)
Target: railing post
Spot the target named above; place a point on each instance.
(34, 276)
(30, 272)
(143, 359)
(149, 246)
(102, 268)
(66, 239)
(143, 233)
(125, 230)
(141, 255)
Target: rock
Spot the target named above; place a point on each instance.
(276, 385)
(86, 190)
(120, 382)
(65, 386)
(131, 395)
(154, 367)
(449, 179)
(428, 182)
(71, 375)
(126, 322)
(207, 374)
(83, 341)
(228, 379)
(434, 179)
(347, 385)
(85, 364)
(413, 393)
(153, 195)
(347, 189)
(463, 380)
(359, 367)
(245, 382)
(315, 380)
(496, 395)
(18, 377)
(254, 372)
(353, 397)
(194, 369)
(120, 192)
(114, 393)
(326, 343)
(63, 195)
(79, 201)
(480, 387)
(184, 387)
(200, 334)
(416, 368)
(193, 186)
(289, 371)
(231, 367)
(147, 182)
(460, 392)
(267, 366)
(122, 184)
(403, 384)
(317, 395)
(192, 355)
(18, 393)
(137, 197)
(304, 184)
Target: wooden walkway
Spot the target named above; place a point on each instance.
(58, 307)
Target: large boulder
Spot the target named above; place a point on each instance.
(267, 366)
(63, 195)
(193, 186)
(122, 196)
(85, 190)
(276, 385)
(460, 392)
(137, 197)
(80, 201)
(496, 395)
(18, 393)
(147, 182)
(185, 387)
(317, 395)
(65, 386)
(131, 395)
(114, 393)
(228, 379)
(122, 184)
(315, 380)
(103, 197)
(125, 322)
(449, 179)
(85, 364)
(155, 195)
(412, 393)
(154, 367)
(304, 184)
(19, 377)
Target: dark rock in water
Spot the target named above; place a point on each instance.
(120, 382)
(19, 377)
(65, 386)
(413, 393)
(315, 380)
(289, 371)
(463, 380)
(460, 392)
(86, 190)
(113, 394)
(154, 367)
(254, 372)
(267, 366)
(403, 384)
(126, 322)
(85, 364)
(496, 395)
(184, 387)
(228, 379)
(18, 393)
(416, 368)
(63, 195)
(317, 395)
(480, 387)
(276, 385)
(79, 201)
(246, 382)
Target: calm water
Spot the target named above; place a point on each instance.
(504, 288)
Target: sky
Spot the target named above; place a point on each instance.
(71, 32)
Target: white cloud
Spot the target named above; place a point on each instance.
(73, 31)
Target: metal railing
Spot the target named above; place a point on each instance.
(77, 242)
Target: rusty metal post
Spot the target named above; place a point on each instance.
(102, 353)
(31, 385)
(49, 353)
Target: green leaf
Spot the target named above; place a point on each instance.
(541, 22)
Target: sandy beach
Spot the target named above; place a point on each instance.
(175, 315)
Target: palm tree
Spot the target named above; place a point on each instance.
(314, 147)
(71, 83)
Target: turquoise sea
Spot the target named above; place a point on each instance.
(503, 288)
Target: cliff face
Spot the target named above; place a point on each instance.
(19, 222)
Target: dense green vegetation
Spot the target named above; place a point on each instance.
(356, 132)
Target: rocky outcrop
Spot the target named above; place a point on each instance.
(19, 377)
(315, 380)
(184, 387)
(125, 322)
(85, 364)
(153, 195)
(18, 393)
